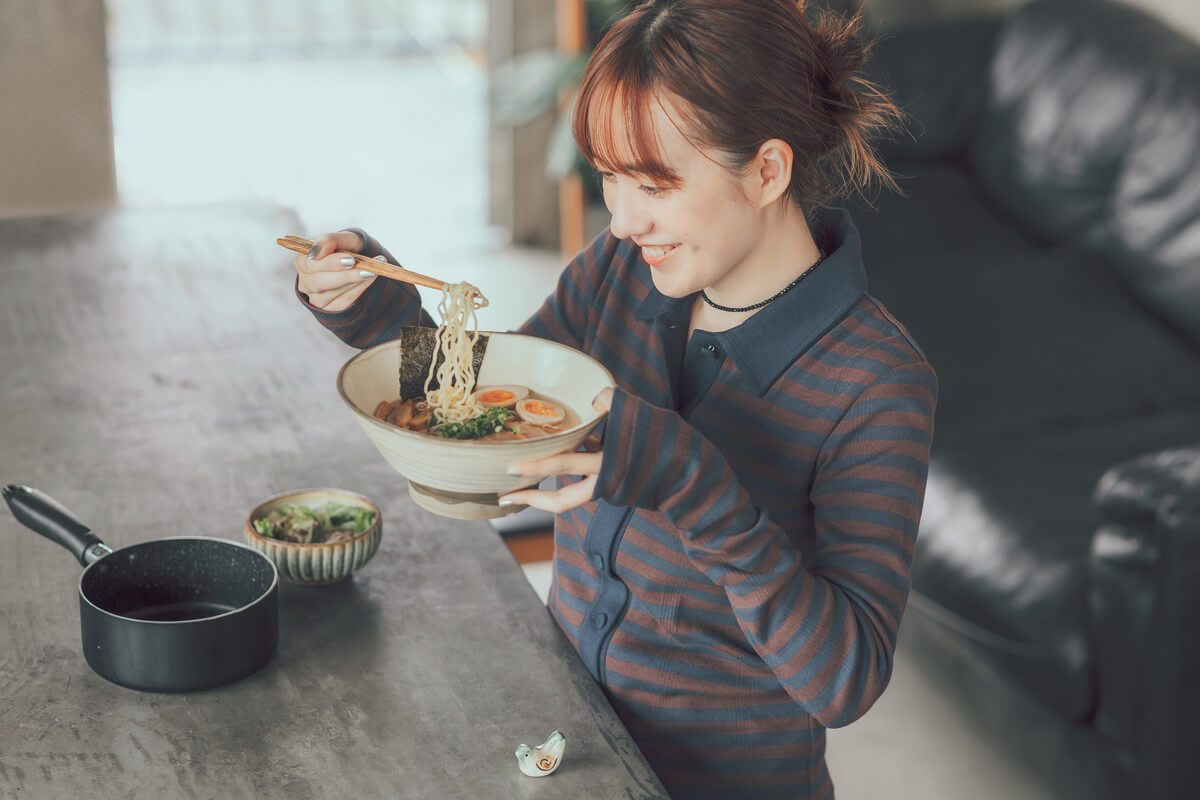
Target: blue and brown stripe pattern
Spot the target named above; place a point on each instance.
(737, 582)
(377, 316)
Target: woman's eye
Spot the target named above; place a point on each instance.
(654, 191)
(606, 176)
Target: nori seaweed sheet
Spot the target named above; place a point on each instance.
(417, 347)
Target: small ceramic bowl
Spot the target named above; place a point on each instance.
(321, 563)
(464, 478)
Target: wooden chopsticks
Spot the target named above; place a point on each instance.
(301, 245)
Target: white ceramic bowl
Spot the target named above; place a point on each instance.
(324, 562)
(464, 478)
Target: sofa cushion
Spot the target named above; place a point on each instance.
(934, 71)
(1023, 334)
(1002, 554)
(1143, 603)
(1090, 135)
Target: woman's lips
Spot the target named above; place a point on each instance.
(657, 255)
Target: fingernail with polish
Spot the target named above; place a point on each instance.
(362, 273)
(346, 262)
(312, 251)
(513, 471)
(505, 503)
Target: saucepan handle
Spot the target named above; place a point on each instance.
(40, 512)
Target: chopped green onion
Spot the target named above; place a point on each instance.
(489, 421)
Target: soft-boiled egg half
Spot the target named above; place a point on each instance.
(540, 412)
(501, 396)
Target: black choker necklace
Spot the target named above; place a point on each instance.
(770, 299)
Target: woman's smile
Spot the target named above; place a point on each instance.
(657, 254)
(697, 223)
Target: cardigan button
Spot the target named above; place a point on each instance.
(598, 562)
(599, 619)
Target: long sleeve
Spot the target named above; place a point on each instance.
(568, 314)
(565, 316)
(379, 314)
(825, 624)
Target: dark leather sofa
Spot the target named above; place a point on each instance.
(1047, 258)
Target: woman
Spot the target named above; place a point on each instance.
(733, 564)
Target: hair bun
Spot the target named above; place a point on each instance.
(842, 56)
(858, 109)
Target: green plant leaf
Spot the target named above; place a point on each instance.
(602, 14)
(529, 85)
(562, 154)
(533, 83)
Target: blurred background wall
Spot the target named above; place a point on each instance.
(56, 147)
(58, 63)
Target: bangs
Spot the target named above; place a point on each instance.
(612, 125)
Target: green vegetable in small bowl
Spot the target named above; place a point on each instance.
(332, 522)
(315, 536)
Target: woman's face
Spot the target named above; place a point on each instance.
(695, 235)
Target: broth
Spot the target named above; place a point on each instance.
(413, 414)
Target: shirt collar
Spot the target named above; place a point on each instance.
(769, 342)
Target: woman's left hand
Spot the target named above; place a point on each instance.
(586, 464)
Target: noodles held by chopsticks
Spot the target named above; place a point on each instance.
(453, 401)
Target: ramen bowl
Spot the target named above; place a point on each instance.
(463, 478)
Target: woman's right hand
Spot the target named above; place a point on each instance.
(329, 277)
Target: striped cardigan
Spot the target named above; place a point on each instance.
(737, 581)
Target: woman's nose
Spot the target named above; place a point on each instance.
(629, 217)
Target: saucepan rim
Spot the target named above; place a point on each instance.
(224, 542)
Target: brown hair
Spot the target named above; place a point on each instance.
(746, 71)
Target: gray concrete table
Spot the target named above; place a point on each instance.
(158, 378)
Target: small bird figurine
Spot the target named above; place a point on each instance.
(543, 759)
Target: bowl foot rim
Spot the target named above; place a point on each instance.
(460, 505)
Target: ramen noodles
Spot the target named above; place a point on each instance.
(453, 400)
(456, 409)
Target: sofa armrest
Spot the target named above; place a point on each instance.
(936, 73)
(1144, 609)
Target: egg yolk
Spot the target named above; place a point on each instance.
(496, 396)
(539, 408)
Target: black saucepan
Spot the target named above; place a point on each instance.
(168, 615)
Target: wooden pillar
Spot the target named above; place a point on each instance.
(572, 38)
(521, 198)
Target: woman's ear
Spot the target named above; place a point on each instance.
(771, 171)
